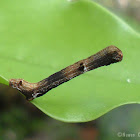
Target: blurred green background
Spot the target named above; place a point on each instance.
(20, 119)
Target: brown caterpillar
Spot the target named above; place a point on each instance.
(104, 57)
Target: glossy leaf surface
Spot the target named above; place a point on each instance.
(41, 37)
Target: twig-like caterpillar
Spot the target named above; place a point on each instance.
(104, 57)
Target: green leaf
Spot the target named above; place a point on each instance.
(39, 38)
